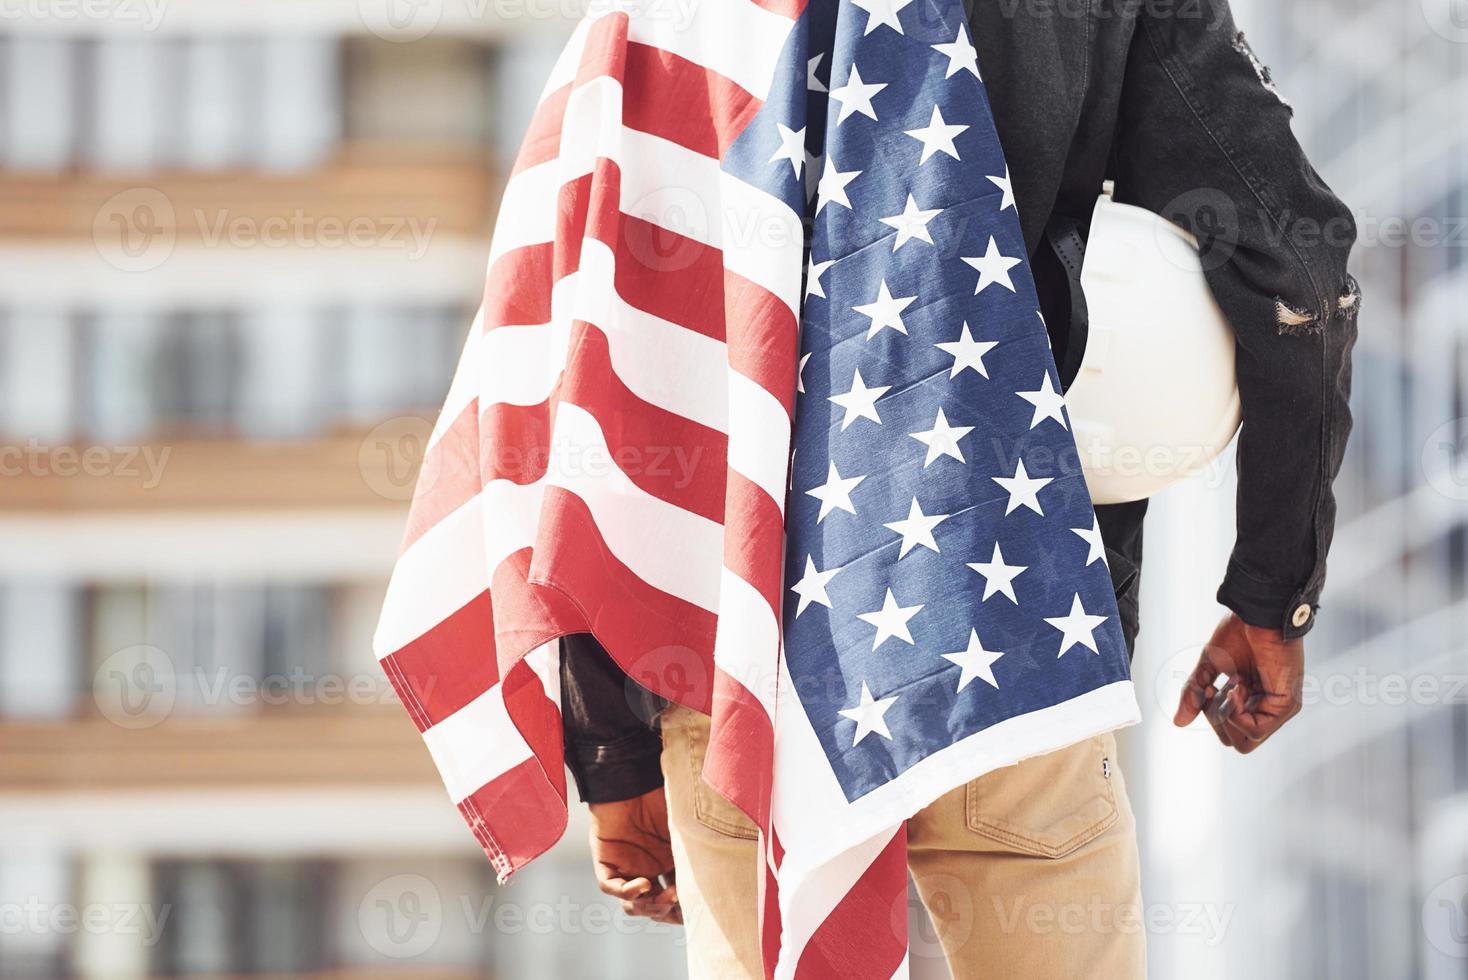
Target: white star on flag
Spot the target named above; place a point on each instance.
(860, 402)
(917, 529)
(800, 375)
(975, 661)
(890, 621)
(885, 311)
(882, 12)
(835, 493)
(813, 285)
(1007, 201)
(792, 147)
(992, 267)
(832, 188)
(1023, 490)
(911, 223)
(942, 439)
(960, 54)
(812, 586)
(868, 715)
(1077, 627)
(936, 137)
(1092, 536)
(1049, 403)
(998, 577)
(967, 352)
(856, 96)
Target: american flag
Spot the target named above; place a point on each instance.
(614, 455)
(948, 607)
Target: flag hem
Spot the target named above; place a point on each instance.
(1009, 742)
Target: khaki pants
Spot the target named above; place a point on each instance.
(1028, 872)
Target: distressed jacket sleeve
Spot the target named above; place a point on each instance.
(1204, 140)
(613, 747)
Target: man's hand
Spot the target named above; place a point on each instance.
(630, 848)
(1265, 673)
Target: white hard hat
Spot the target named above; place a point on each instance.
(1155, 398)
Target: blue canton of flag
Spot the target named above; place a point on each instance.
(945, 571)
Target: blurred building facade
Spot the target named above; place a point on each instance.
(1341, 848)
(241, 247)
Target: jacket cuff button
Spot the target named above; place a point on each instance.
(1301, 615)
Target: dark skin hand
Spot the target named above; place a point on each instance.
(630, 848)
(1265, 675)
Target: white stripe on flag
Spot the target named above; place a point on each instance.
(466, 382)
(433, 578)
(701, 33)
(670, 366)
(660, 181)
(759, 236)
(759, 437)
(664, 545)
(806, 902)
(476, 744)
(696, 31)
(745, 639)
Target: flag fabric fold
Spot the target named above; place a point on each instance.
(752, 228)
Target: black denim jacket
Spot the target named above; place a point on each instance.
(1166, 99)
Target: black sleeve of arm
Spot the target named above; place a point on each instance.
(613, 747)
(1204, 140)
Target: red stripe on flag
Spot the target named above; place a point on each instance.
(658, 271)
(643, 68)
(684, 83)
(543, 137)
(538, 720)
(785, 8)
(509, 442)
(517, 290)
(740, 747)
(517, 817)
(769, 922)
(653, 636)
(763, 337)
(449, 475)
(850, 943)
(573, 205)
(671, 457)
(515, 442)
(605, 53)
(755, 538)
(447, 667)
(527, 613)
